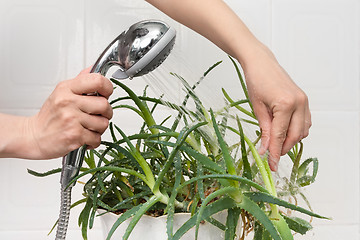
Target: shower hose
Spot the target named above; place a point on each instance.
(64, 213)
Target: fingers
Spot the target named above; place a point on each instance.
(264, 118)
(94, 123)
(296, 131)
(91, 83)
(290, 124)
(95, 105)
(280, 124)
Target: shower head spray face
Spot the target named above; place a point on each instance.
(137, 51)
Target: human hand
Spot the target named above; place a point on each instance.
(281, 107)
(69, 118)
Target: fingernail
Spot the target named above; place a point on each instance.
(273, 164)
(262, 150)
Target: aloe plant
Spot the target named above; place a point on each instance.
(186, 164)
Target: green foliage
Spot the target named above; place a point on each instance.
(186, 164)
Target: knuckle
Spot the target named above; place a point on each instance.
(104, 125)
(111, 112)
(285, 103)
(96, 140)
(98, 81)
(62, 102)
(294, 138)
(291, 101)
(61, 85)
(74, 138)
(302, 98)
(306, 133)
(103, 104)
(69, 119)
(279, 136)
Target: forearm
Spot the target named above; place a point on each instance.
(281, 107)
(14, 136)
(214, 20)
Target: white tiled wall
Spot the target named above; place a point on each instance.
(317, 41)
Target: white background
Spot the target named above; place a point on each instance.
(43, 42)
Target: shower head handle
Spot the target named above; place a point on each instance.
(108, 58)
(135, 52)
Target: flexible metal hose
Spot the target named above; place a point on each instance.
(64, 213)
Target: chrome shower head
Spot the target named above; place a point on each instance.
(137, 51)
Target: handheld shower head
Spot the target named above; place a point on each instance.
(137, 51)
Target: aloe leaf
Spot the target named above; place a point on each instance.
(304, 180)
(152, 100)
(90, 158)
(191, 93)
(247, 169)
(141, 105)
(94, 206)
(112, 169)
(225, 176)
(258, 231)
(129, 199)
(241, 109)
(211, 68)
(267, 236)
(216, 223)
(84, 218)
(123, 217)
(145, 207)
(217, 193)
(142, 162)
(171, 204)
(242, 82)
(112, 133)
(200, 185)
(131, 108)
(298, 225)
(212, 208)
(232, 219)
(205, 161)
(179, 142)
(224, 148)
(265, 197)
(282, 227)
(37, 174)
(186, 98)
(296, 159)
(248, 205)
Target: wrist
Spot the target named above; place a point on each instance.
(254, 54)
(16, 137)
(11, 135)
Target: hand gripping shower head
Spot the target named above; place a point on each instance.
(137, 51)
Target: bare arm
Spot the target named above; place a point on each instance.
(66, 121)
(281, 107)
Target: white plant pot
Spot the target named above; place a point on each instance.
(155, 227)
